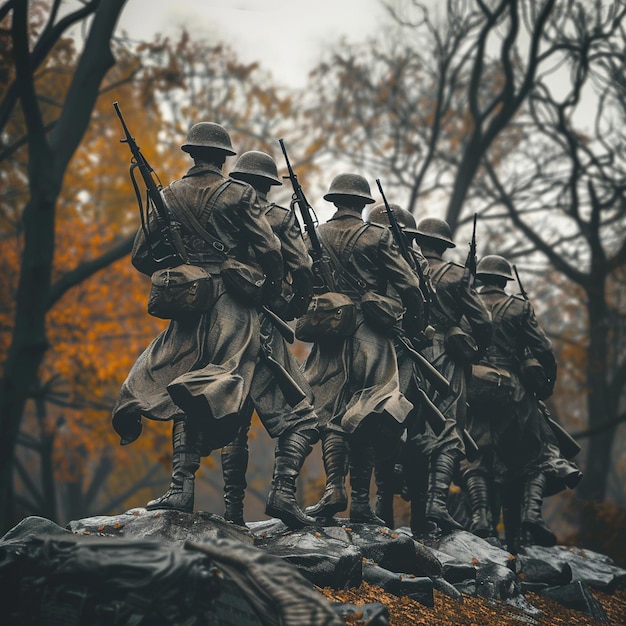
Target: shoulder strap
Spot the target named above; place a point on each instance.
(500, 309)
(441, 270)
(346, 253)
(182, 212)
(358, 285)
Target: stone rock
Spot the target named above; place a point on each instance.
(528, 587)
(466, 587)
(393, 551)
(372, 614)
(76, 576)
(467, 548)
(577, 596)
(549, 573)
(496, 582)
(447, 588)
(162, 525)
(33, 525)
(418, 588)
(279, 593)
(454, 570)
(75, 579)
(322, 559)
(266, 568)
(595, 572)
(267, 527)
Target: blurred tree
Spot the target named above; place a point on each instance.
(516, 106)
(31, 33)
(425, 100)
(70, 463)
(564, 191)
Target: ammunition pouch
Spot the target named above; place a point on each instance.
(180, 292)
(328, 316)
(490, 384)
(380, 312)
(243, 282)
(534, 378)
(460, 346)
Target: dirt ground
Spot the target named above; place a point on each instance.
(478, 611)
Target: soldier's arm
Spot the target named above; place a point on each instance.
(400, 275)
(538, 342)
(264, 243)
(293, 248)
(297, 262)
(476, 313)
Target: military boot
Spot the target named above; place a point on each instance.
(185, 464)
(440, 472)
(478, 492)
(511, 495)
(335, 457)
(291, 451)
(384, 475)
(534, 530)
(361, 465)
(234, 466)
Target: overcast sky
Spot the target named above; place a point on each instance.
(286, 36)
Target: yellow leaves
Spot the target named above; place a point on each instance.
(314, 147)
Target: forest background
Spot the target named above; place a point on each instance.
(509, 108)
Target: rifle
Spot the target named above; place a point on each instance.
(401, 242)
(437, 421)
(472, 450)
(166, 246)
(519, 282)
(291, 390)
(439, 382)
(322, 266)
(280, 324)
(470, 261)
(567, 444)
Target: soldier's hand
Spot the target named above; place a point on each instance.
(271, 290)
(413, 322)
(302, 285)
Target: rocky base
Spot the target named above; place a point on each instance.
(265, 572)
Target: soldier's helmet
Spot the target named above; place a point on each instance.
(435, 228)
(208, 135)
(258, 164)
(494, 265)
(377, 214)
(349, 185)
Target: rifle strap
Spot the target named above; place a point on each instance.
(354, 283)
(187, 217)
(501, 307)
(439, 273)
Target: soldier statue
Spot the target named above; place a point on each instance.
(355, 378)
(389, 476)
(294, 427)
(517, 447)
(198, 372)
(451, 352)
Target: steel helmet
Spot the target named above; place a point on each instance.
(352, 185)
(494, 265)
(256, 163)
(377, 214)
(208, 135)
(435, 228)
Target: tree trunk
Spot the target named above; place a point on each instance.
(598, 459)
(47, 163)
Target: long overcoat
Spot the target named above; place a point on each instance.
(202, 368)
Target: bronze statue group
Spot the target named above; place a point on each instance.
(422, 372)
